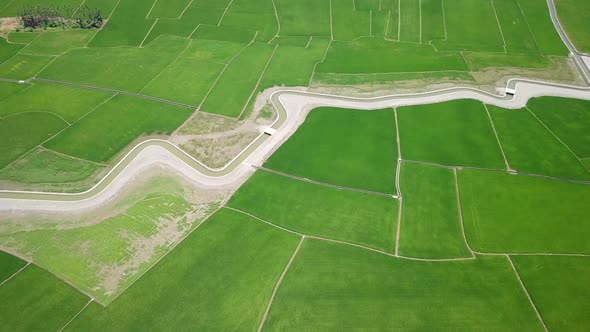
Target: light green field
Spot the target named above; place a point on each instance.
(293, 65)
(224, 33)
(573, 16)
(524, 214)
(20, 133)
(66, 102)
(128, 25)
(430, 226)
(331, 286)
(168, 9)
(186, 25)
(531, 148)
(45, 166)
(35, 300)
(9, 89)
(410, 21)
(356, 149)
(8, 50)
(483, 60)
(381, 57)
(23, 66)
(461, 16)
(9, 265)
(546, 37)
(349, 24)
(559, 289)
(13, 8)
(515, 29)
(22, 37)
(185, 80)
(568, 119)
(433, 23)
(460, 77)
(127, 69)
(57, 42)
(220, 277)
(115, 124)
(317, 210)
(456, 133)
(231, 93)
(304, 17)
(264, 23)
(105, 256)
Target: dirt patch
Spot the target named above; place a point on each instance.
(9, 24)
(216, 152)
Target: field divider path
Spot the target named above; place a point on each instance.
(324, 184)
(460, 213)
(278, 284)
(497, 138)
(527, 294)
(292, 106)
(260, 77)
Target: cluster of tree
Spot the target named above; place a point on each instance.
(84, 17)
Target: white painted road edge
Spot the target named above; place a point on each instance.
(296, 105)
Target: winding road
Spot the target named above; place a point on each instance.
(292, 107)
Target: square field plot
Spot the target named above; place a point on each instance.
(568, 119)
(335, 287)
(318, 210)
(430, 225)
(456, 133)
(9, 265)
(531, 148)
(35, 300)
(506, 213)
(559, 287)
(352, 148)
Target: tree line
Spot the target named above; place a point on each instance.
(43, 17)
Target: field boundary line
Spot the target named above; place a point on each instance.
(559, 139)
(147, 16)
(554, 178)
(351, 244)
(171, 249)
(387, 24)
(398, 228)
(442, 4)
(354, 5)
(399, 19)
(398, 170)
(466, 62)
(149, 31)
(531, 254)
(274, 6)
(309, 42)
(106, 22)
(71, 284)
(526, 20)
(224, 12)
(331, 22)
(15, 273)
(185, 9)
(526, 292)
(56, 134)
(7, 4)
(324, 184)
(370, 23)
(278, 284)
(20, 51)
(77, 9)
(76, 315)
(258, 81)
(420, 13)
(497, 138)
(224, 69)
(499, 26)
(45, 67)
(167, 66)
(460, 213)
(193, 32)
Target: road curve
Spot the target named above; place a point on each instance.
(292, 106)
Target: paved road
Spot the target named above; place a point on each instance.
(293, 106)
